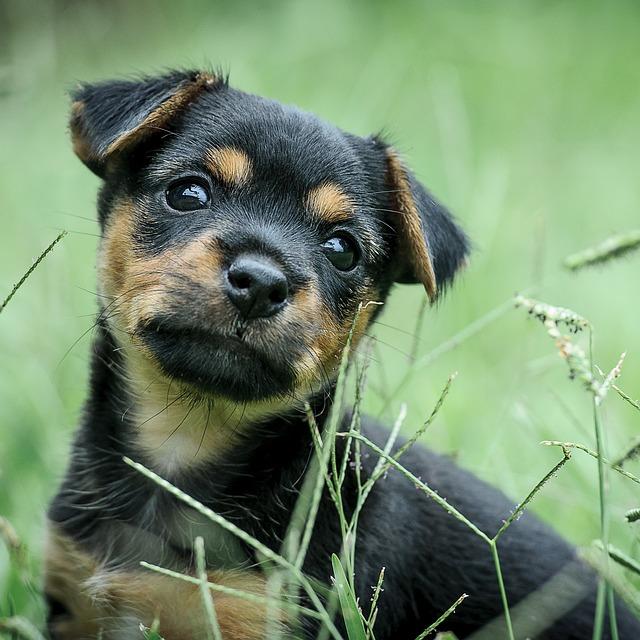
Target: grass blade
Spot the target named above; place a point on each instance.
(633, 515)
(623, 559)
(634, 403)
(433, 627)
(348, 605)
(231, 591)
(422, 486)
(593, 454)
(610, 249)
(207, 601)
(30, 270)
(515, 514)
(373, 613)
(20, 627)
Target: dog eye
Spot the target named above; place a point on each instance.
(341, 252)
(188, 195)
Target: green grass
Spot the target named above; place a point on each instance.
(523, 117)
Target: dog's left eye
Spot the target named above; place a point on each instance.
(341, 252)
(188, 195)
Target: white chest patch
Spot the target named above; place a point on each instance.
(177, 432)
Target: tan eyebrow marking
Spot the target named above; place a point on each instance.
(330, 203)
(230, 165)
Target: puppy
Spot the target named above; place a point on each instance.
(240, 237)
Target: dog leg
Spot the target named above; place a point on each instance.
(88, 601)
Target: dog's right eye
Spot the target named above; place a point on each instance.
(188, 195)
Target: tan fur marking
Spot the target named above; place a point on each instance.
(229, 165)
(66, 568)
(115, 602)
(328, 202)
(116, 250)
(80, 145)
(326, 349)
(140, 285)
(157, 119)
(130, 284)
(410, 225)
(161, 115)
(306, 312)
(178, 605)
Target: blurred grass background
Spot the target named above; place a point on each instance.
(523, 117)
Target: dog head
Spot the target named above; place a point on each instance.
(241, 236)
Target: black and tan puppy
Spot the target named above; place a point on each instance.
(239, 237)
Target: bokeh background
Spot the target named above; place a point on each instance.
(524, 117)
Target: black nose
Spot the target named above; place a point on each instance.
(256, 286)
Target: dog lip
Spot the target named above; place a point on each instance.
(218, 362)
(193, 333)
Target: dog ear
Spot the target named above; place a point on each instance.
(431, 246)
(109, 118)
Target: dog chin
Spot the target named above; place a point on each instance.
(218, 365)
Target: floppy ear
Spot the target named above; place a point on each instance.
(431, 246)
(108, 118)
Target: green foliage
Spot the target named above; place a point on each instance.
(611, 249)
(151, 633)
(19, 627)
(434, 627)
(348, 606)
(509, 112)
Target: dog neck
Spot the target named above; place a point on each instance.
(259, 473)
(174, 430)
(178, 430)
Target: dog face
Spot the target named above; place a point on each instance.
(240, 236)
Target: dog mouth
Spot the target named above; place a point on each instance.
(222, 363)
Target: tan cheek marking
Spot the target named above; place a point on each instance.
(122, 280)
(139, 286)
(155, 279)
(307, 302)
(101, 599)
(116, 250)
(327, 347)
(305, 313)
(200, 260)
(332, 341)
(229, 165)
(329, 203)
(329, 343)
(131, 284)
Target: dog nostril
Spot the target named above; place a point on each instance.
(278, 295)
(256, 286)
(241, 281)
